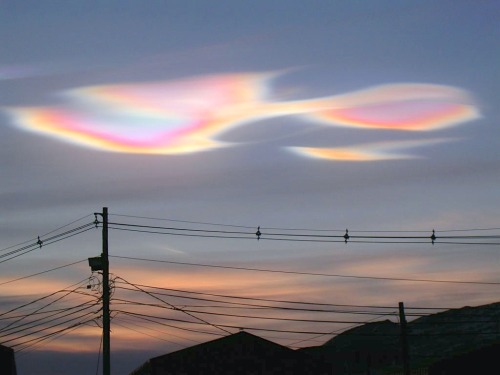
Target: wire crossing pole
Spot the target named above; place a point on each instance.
(404, 340)
(106, 362)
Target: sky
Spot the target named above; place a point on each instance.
(198, 124)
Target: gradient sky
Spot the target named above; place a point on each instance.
(376, 116)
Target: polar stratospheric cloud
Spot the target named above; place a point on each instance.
(187, 115)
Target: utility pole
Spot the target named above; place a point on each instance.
(404, 340)
(106, 362)
(101, 263)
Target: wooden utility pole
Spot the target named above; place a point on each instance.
(404, 340)
(106, 362)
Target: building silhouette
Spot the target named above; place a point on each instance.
(241, 353)
(7, 361)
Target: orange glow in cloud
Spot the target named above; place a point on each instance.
(365, 152)
(400, 107)
(28, 288)
(187, 115)
(230, 282)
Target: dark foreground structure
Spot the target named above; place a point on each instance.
(7, 361)
(482, 361)
(240, 353)
(461, 341)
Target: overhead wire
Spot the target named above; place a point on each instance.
(39, 339)
(128, 302)
(35, 242)
(157, 319)
(268, 317)
(284, 319)
(99, 354)
(43, 272)
(135, 322)
(147, 318)
(35, 338)
(243, 305)
(61, 309)
(239, 327)
(315, 321)
(17, 322)
(23, 350)
(44, 297)
(67, 317)
(300, 229)
(302, 237)
(266, 299)
(377, 315)
(184, 338)
(184, 221)
(149, 335)
(305, 273)
(335, 332)
(46, 234)
(44, 242)
(44, 328)
(247, 306)
(45, 319)
(176, 308)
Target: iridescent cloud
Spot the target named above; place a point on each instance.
(188, 115)
(400, 107)
(366, 152)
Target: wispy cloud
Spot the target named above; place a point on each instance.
(368, 151)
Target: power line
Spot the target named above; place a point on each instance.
(335, 332)
(185, 221)
(161, 318)
(149, 335)
(44, 242)
(270, 318)
(44, 297)
(156, 330)
(27, 330)
(48, 335)
(133, 303)
(13, 325)
(67, 225)
(391, 308)
(174, 307)
(154, 318)
(46, 234)
(302, 320)
(43, 272)
(247, 306)
(30, 326)
(21, 350)
(99, 354)
(59, 310)
(148, 319)
(306, 237)
(305, 273)
(303, 229)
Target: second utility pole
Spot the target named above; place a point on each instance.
(404, 340)
(106, 362)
